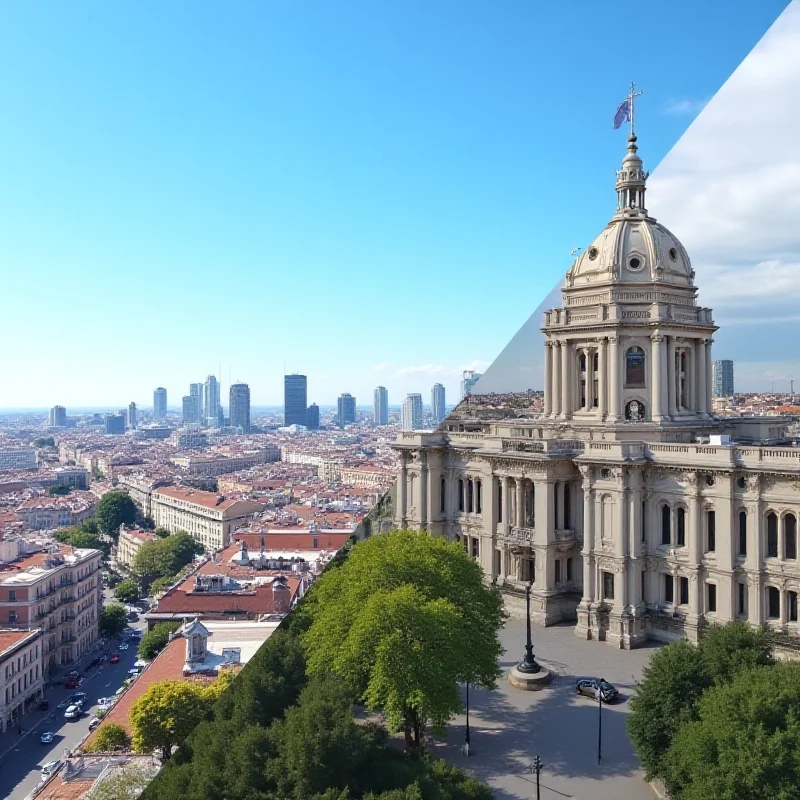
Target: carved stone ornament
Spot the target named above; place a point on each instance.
(768, 483)
(688, 479)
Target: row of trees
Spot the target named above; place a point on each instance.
(720, 719)
(385, 625)
(158, 562)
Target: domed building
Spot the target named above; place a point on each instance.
(631, 508)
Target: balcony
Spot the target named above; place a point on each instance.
(520, 537)
(565, 535)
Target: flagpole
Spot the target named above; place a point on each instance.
(630, 102)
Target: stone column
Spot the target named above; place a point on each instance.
(700, 361)
(489, 509)
(656, 373)
(602, 379)
(555, 387)
(635, 539)
(566, 381)
(548, 378)
(672, 393)
(506, 503)
(401, 490)
(588, 540)
(520, 502)
(423, 490)
(708, 373)
(589, 378)
(613, 379)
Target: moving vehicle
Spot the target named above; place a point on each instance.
(124, 646)
(72, 712)
(135, 672)
(47, 737)
(590, 686)
(49, 768)
(114, 659)
(73, 683)
(77, 699)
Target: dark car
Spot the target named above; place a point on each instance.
(590, 686)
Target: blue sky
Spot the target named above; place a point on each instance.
(365, 192)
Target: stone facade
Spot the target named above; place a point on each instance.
(634, 511)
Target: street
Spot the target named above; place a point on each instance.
(22, 757)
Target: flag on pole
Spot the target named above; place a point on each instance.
(623, 113)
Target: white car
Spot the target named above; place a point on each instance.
(105, 702)
(72, 712)
(124, 646)
(49, 768)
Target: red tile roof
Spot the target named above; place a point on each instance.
(10, 638)
(292, 540)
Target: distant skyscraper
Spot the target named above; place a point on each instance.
(380, 414)
(196, 390)
(58, 417)
(412, 412)
(132, 416)
(312, 416)
(211, 402)
(346, 406)
(115, 423)
(240, 406)
(295, 399)
(160, 403)
(437, 402)
(191, 408)
(722, 378)
(468, 380)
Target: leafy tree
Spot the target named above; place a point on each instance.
(89, 526)
(162, 584)
(113, 620)
(728, 649)
(124, 784)
(113, 510)
(162, 533)
(166, 714)
(108, 737)
(58, 490)
(746, 741)
(127, 591)
(44, 441)
(395, 620)
(154, 641)
(164, 557)
(78, 537)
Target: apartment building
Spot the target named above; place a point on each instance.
(207, 516)
(57, 590)
(367, 476)
(129, 543)
(46, 513)
(17, 458)
(220, 464)
(140, 488)
(21, 674)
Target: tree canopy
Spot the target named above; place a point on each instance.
(395, 622)
(164, 557)
(154, 641)
(58, 490)
(82, 536)
(113, 620)
(44, 441)
(127, 591)
(108, 736)
(114, 509)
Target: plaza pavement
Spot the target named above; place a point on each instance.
(508, 726)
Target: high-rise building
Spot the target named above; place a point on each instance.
(191, 408)
(196, 390)
(58, 417)
(132, 416)
(412, 412)
(722, 378)
(115, 423)
(211, 402)
(240, 406)
(312, 416)
(437, 402)
(295, 399)
(468, 380)
(160, 403)
(380, 414)
(346, 409)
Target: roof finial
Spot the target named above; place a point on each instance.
(631, 97)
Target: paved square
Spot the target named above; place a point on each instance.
(509, 726)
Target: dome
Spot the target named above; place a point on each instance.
(633, 248)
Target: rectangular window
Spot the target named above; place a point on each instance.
(442, 490)
(644, 521)
(478, 497)
(499, 501)
(742, 533)
(772, 536)
(792, 606)
(475, 546)
(569, 569)
(742, 600)
(684, 589)
(498, 561)
(711, 539)
(669, 589)
(558, 570)
(681, 532)
(608, 586)
(12, 596)
(712, 597)
(460, 494)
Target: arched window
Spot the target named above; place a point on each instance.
(666, 533)
(790, 536)
(470, 495)
(567, 506)
(634, 368)
(460, 494)
(772, 535)
(742, 533)
(478, 496)
(681, 532)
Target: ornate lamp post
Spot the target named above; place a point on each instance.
(467, 745)
(528, 665)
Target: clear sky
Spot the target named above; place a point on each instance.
(365, 192)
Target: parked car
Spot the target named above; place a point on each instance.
(105, 702)
(124, 646)
(133, 617)
(77, 699)
(114, 658)
(122, 688)
(73, 676)
(135, 672)
(49, 768)
(590, 686)
(47, 737)
(73, 683)
(72, 712)
(94, 723)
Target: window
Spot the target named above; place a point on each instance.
(681, 532)
(711, 538)
(742, 533)
(498, 561)
(558, 570)
(608, 586)
(478, 497)
(12, 618)
(742, 600)
(460, 494)
(772, 535)
(12, 596)
(792, 606)
(470, 496)
(711, 590)
(669, 589)
(475, 546)
(569, 569)
(499, 501)
(567, 504)
(773, 603)
(555, 505)
(644, 521)
(442, 490)
(635, 368)
(790, 536)
(666, 536)
(684, 591)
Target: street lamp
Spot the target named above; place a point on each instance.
(536, 768)
(599, 722)
(528, 665)
(467, 746)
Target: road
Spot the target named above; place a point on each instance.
(22, 757)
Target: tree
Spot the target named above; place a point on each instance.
(404, 620)
(113, 510)
(166, 714)
(127, 591)
(76, 536)
(162, 584)
(44, 441)
(113, 620)
(108, 737)
(162, 533)
(164, 557)
(58, 490)
(124, 784)
(745, 742)
(728, 649)
(154, 641)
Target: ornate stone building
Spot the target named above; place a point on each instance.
(635, 512)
